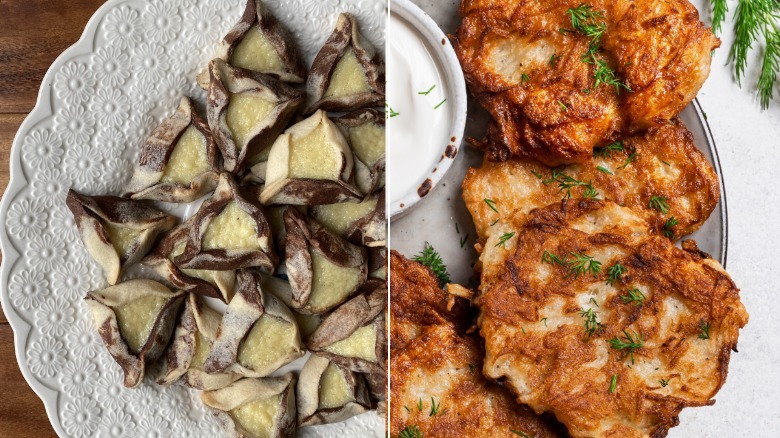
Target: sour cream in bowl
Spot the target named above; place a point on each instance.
(426, 106)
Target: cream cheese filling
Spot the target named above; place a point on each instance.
(331, 283)
(136, 319)
(269, 340)
(233, 228)
(347, 78)
(255, 52)
(338, 217)
(245, 114)
(257, 417)
(313, 157)
(368, 142)
(121, 237)
(188, 159)
(334, 390)
(360, 344)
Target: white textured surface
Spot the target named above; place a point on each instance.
(97, 104)
(748, 142)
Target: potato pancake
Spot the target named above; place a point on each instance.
(588, 316)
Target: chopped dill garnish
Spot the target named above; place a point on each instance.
(537, 174)
(391, 112)
(419, 405)
(503, 239)
(519, 432)
(410, 432)
(440, 104)
(664, 382)
(552, 60)
(613, 384)
(633, 295)
(604, 170)
(627, 343)
(670, 222)
(544, 320)
(593, 300)
(463, 240)
(704, 330)
(457, 230)
(522, 329)
(491, 203)
(606, 151)
(665, 163)
(428, 91)
(583, 264)
(592, 324)
(659, 203)
(631, 158)
(548, 257)
(563, 106)
(524, 78)
(566, 182)
(430, 258)
(434, 408)
(615, 273)
(494, 222)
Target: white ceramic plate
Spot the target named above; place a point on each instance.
(98, 102)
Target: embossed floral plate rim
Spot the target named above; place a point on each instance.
(44, 111)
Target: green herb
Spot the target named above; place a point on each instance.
(586, 90)
(704, 330)
(671, 222)
(440, 104)
(552, 60)
(504, 237)
(434, 408)
(659, 203)
(593, 300)
(754, 20)
(537, 174)
(463, 240)
(471, 368)
(583, 264)
(583, 20)
(491, 203)
(521, 433)
(548, 257)
(522, 329)
(613, 384)
(563, 106)
(635, 296)
(407, 409)
(430, 258)
(391, 112)
(604, 169)
(524, 78)
(664, 382)
(605, 75)
(664, 162)
(410, 432)
(606, 151)
(419, 405)
(615, 273)
(589, 23)
(631, 158)
(457, 230)
(566, 182)
(428, 91)
(494, 222)
(544, 320)
(719, 9)
(592, 324)
(627, 343)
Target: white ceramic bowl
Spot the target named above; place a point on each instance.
(440, 48)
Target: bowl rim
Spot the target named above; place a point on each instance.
(442, 47)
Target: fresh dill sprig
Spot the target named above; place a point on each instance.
(606, 151)
(537, 174)
(704, 330)
(604, 170)
(631, 158)
(664, 382)
(419, 404)
(430, 258)
(552, 60)
(671, 222)
(754, 20)
(491, 203)
(440, 104)
(519, 432)
(613, 384)
(428, 91)
(589, 22)
(544, 320)
(391, 112)
(550, 258)
(566, 182)
(627, 343)
(719, 9)
(633, 295)
(563, 106)
(583, 264)
(434, 408)
(605, 75)
(503, 239)
(524, 78)
(615, 273)
(592, 324)
(659, 203)
(463, 240)
(410, 432)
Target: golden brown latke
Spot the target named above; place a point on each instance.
(549, 108)
(666, 163)
(431, 357)
(683, 320)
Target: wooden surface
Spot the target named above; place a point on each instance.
(32, 34)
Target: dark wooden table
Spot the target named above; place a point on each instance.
(32, 34)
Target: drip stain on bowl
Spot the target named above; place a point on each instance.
(425, 187)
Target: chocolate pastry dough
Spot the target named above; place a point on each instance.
(365, 132)
(328, 393)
